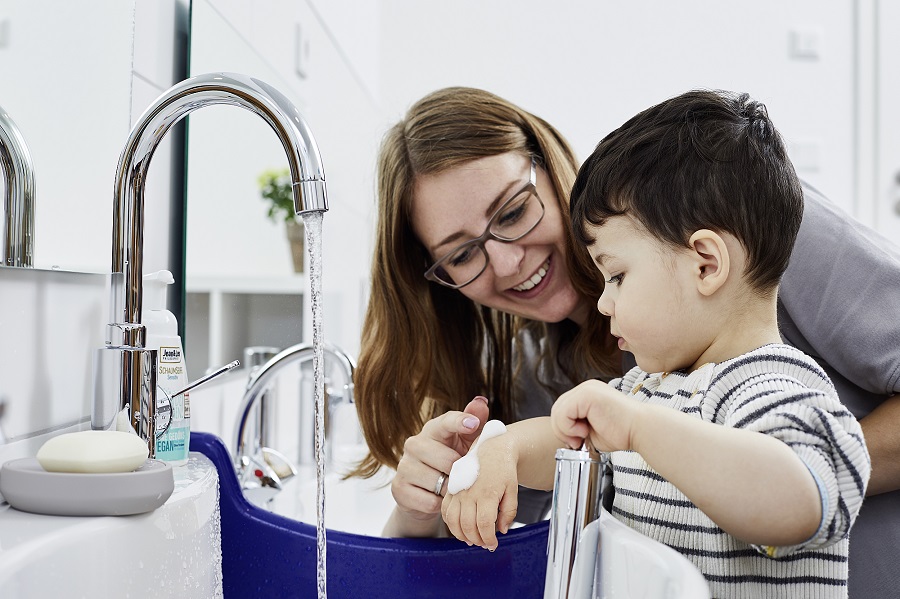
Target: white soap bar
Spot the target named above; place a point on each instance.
(93, 451)
(464, 471)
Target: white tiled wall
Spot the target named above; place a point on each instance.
(160, 31)
(51, 321)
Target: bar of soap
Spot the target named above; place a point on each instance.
(93, 452)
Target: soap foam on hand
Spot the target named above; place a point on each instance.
(93, 452)
(464, 471)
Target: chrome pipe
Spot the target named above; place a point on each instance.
(125, 330)
(18, 172)
(576, 503)
(304, 161)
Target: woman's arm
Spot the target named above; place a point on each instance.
(881, 429)
(841, 303)
(426, 457)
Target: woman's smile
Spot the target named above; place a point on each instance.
(533, 283)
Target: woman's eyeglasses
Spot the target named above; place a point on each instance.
(512, 221)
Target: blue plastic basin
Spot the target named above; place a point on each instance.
(267, 555)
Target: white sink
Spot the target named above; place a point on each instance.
(174, 551)
(359, 506)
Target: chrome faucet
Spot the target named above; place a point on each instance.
(124, 370)
(261, 469)
(15, 160)
(578, 491)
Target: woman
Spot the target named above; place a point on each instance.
(525, 328)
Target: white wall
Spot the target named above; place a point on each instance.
(589, 66)
(159, 31)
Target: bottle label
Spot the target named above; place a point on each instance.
(172, 446)
(172, 443)
(169, 355)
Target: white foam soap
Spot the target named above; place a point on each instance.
(173, 414)
(464, 471)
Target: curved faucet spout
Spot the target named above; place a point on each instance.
(15, 161)
(303, 156)
(263, 377)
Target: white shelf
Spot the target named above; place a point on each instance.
(292, 284)
(227, 314)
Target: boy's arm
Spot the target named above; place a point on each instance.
(751, 485)
(525, 455)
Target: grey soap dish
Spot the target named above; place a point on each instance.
(30, 488)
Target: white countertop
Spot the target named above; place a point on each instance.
(173, 551)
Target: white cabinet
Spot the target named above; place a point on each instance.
(226, 314)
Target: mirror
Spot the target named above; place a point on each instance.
(66, 69)
(241, 287)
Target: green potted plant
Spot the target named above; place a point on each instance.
(275, 188)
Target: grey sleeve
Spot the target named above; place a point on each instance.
(841, 291)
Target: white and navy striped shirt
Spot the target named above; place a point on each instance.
(778, 391)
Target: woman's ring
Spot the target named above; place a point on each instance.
(440, 484)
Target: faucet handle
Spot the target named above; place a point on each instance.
(259, 482)
(279, 463)
(126, 334)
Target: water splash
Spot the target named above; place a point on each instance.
(312, 223)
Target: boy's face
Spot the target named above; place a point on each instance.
(650, 296)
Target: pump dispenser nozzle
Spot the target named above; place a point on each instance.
(155, 285)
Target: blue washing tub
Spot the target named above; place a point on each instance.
(267, 555)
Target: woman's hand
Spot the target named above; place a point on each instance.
(474, 515)
(427, 458)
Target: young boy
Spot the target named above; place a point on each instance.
(724, 443)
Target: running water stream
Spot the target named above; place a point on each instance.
(312, 223)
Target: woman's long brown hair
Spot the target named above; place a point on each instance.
(425, 348)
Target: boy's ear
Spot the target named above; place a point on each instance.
(712, 262)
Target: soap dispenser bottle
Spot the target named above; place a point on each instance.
(173, 420)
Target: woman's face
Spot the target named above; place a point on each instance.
(527, 277)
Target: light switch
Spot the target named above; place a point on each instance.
(806, 43)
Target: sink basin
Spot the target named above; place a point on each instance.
(173, 551)
(355, 505)
(265, 554)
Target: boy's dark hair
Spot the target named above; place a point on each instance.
(701, 160)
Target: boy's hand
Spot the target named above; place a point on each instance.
(489, 505)
(596, 410)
